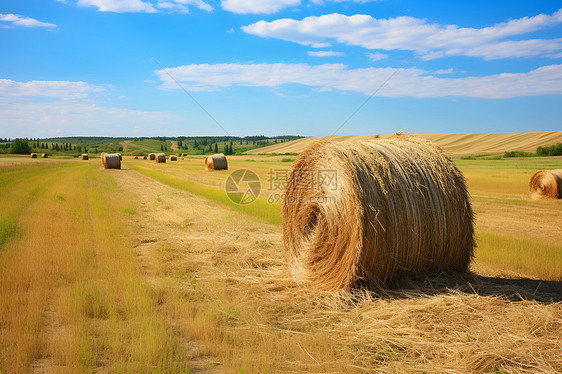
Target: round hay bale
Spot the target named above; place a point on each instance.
(152, 156)
(120, 157)
(546, 184)
(44, 155)
(371, 212)
(173, 158)
(161, 158)
(216, 162)
(136, 157)
(34, 155)
(84, 156)
(144, 158)
(112, 161)
(103, 154)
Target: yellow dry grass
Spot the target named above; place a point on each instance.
(453, 144)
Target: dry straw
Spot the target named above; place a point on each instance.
(111, 161)
(152, 156)
(399, 208)
(216, 162)
(173, 158)
(546, 184)
(84, 156)
(161, 158)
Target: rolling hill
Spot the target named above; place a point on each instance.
(455, 145)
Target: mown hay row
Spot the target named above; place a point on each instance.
(546, 184)
(216, 162)
(371, 212)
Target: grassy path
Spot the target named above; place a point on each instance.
(72, 295)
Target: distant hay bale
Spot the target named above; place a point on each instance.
(84, 156)
(44, 155)
(34, 155)
(136, 157)
(144, 158)
(372, 212)
(161, 158)
(183, 154)
(546, 184)
(152, 156)
(173, 158)
(111, 161)
(216, 162)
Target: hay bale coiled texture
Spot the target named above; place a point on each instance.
(400, 209)
(173, 158)
(111, 161)
(546, 184)
(34, 155)
(44, 155)
(103, 154)
(216, 162)
(152, 156)
(84, 156)
(161, 158)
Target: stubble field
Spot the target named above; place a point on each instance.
(153, 269)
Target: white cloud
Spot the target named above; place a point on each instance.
(322, 2)
(140, 6)
(444, 71)
(257, 6)
(324, 53)
(53, 89)
(377, 56)
(47, 108)
(431, 40)
(17, 20)
(411, 82)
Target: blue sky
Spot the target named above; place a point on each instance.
(273, 67)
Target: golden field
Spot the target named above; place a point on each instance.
(153, 269)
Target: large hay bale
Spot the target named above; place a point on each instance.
(371, 212)
(44, 155)
(84, 156)
(216, 162)
(161, 158)
(546, 184)
(173, 158)
(120, 156)
(152, 156)
(112, 161)
(34, 155)
(103, 154)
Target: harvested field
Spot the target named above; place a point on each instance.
(200, 282)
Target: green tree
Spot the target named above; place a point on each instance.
(216, 148)
(162, 147)
(166, 148)
(195, 144)
(20, 147)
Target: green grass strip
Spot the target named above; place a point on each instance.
(260, 208)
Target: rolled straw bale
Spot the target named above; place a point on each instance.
(103, 154)
(216, 162)
(112, 161)
(161, 158)
(144, 158)
(399, 208)
(152, 156)
(546, 184)
(84, 156)
(136, 157)
(44, 155)
(34, 155)
(173, 158)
